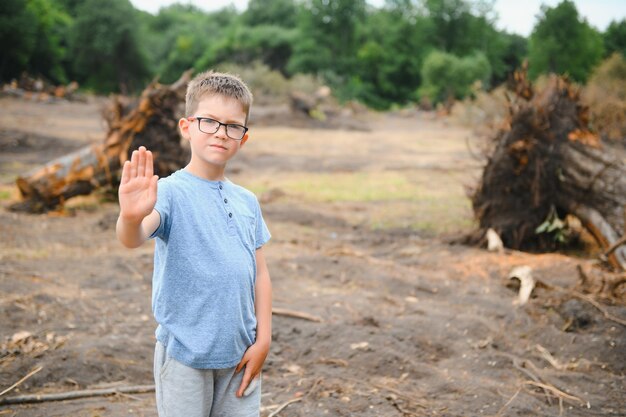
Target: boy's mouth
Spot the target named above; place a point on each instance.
(219, 147)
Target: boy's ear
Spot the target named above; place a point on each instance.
(244, 140)
(183, 126)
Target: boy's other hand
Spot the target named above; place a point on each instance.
(138, 187)
(253, 361)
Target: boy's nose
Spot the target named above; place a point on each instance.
(221, 132)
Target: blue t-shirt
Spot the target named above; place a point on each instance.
(205, 269)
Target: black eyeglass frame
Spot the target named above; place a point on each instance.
(219, 124)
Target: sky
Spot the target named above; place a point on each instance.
(515, 16)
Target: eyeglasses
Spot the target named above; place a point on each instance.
(210, 126)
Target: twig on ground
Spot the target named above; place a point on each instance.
(28, 375)
(401, 409)
(294, 400)
(295, 314)
(549, 358)
(284, 405)
(399, 394)
(604, 257)
(70, 395)
(594, 303)
(499, 414)
(548, 389)
(589, 299)
(532, 376)
(615, 284)
(555, 391)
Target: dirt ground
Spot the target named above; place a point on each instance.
(411, 325)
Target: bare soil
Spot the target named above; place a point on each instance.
(411, 325)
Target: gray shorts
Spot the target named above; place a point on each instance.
(182, 391)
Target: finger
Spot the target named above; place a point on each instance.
(125, 172)
(133, 164)
(141, 162)
(149, 164)
(254, 383)
(244, 383)
(153, 187)
(243, 362)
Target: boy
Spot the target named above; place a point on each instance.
(211, 294)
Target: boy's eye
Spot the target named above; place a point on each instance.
(209, 122)
(235, 128)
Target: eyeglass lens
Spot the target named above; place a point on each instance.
(232, 131)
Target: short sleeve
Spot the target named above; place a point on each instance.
(163, 206)
(262, 232)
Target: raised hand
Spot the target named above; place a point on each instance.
(138, 188)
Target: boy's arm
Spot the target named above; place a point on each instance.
(255, 356)
(137, 196)
(133, 235)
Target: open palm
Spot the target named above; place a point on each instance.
(138, 187)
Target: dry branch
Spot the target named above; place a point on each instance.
(284, 405)
(71, 395)
(555, 391)
(31, 373)
(594, 303)
(295, 400)
(295, 314)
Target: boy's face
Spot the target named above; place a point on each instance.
(214, 148)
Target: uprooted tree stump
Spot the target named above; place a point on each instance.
(546, 163)
(151, 122)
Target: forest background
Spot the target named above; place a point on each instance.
(426, 52)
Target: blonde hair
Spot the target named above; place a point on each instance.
(217, 83)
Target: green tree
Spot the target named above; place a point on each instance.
(396, 41)
(564, 43)
(514, 53)
(271, 12)
(446, 76)
(270, 44)
(181, 36)
(327, 39)
(452, 22)
(615, 38)
(52, 25)
(463, 27)
(18, 37)
(104, 44)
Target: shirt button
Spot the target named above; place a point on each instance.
(230, 214)
(221, 186)
(226, 200)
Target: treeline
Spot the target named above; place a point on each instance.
(405, 51)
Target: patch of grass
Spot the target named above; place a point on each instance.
(430, 202)
(5, 195)
(256, 187)
(24, 254)
(432, 215)
(344, 187)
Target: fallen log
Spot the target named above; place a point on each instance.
(151, 122)
(546, 163)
